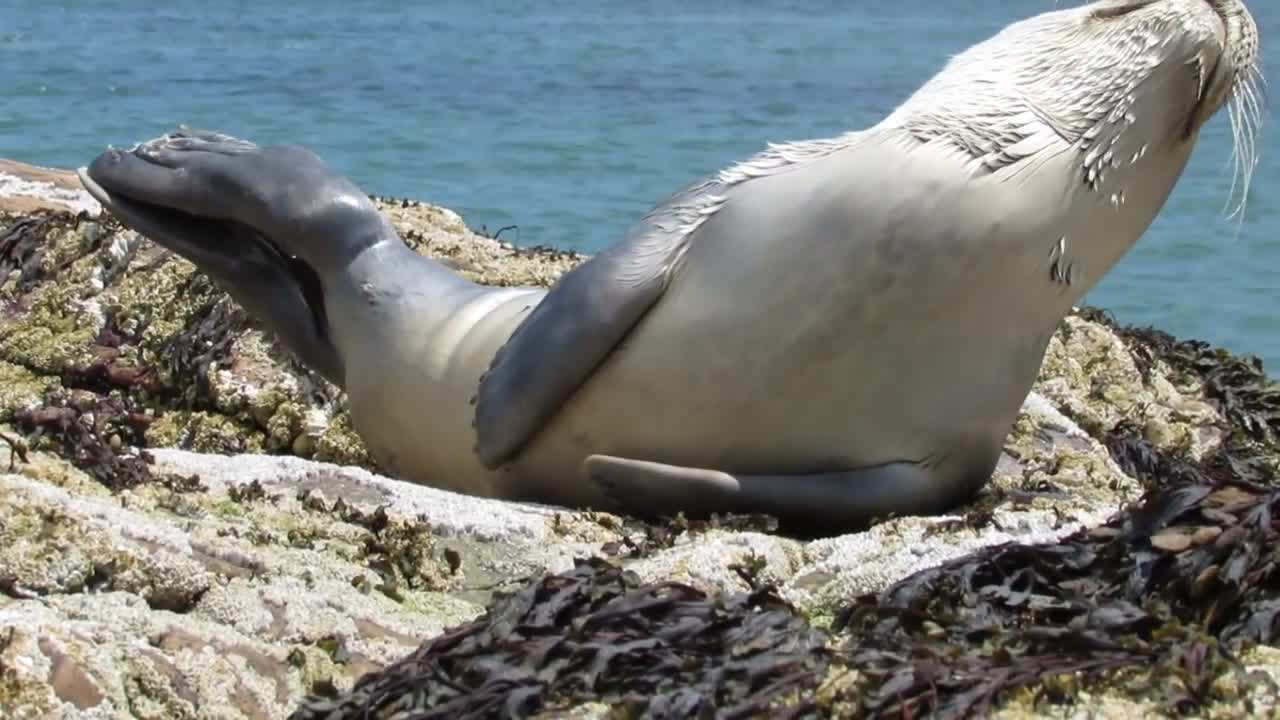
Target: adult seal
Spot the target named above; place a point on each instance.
(829, 331)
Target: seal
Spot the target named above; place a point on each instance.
(830, 331)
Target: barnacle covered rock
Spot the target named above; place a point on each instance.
(191, 528)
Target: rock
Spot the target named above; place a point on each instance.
(167, 554)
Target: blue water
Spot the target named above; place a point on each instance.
(570, 119)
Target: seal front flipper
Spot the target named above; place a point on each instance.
(808, 503)
(579, 322)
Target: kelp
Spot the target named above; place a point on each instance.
(663, 650)
(22, 248)
(207, 340)
(92, 433)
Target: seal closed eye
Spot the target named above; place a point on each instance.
(829, 331)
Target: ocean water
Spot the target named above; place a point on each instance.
(569, 119)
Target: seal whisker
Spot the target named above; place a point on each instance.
(1246, 112)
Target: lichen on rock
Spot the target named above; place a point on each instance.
(192, 527)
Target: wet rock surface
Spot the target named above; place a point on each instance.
(191, 529)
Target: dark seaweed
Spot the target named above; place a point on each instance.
(208, 339)
(106, 372)
(653, 651)
(1175, 583)
(22, 246)
(1158, 601)
(82, 431)
(17, 451)
(664, 534)
(22, 249)
(1238, 383)
(401, 552)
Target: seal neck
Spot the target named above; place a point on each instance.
(384, 286)
(386, 263)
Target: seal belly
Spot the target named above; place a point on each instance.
(861, 328)
(417, 417)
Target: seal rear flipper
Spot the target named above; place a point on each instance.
(580, 321)
(807, 503)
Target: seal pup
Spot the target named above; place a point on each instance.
(829, 331)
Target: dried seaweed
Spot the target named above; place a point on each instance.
(17, 450)
(664, 534)
(1189, 574)
(23, 244)
(106, 372)
(1156, 603)
(22, 247)
(596, 633)
(1173, 588)
(401, 552)
(92, 433)
(207, 340)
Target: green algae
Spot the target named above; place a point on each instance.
(340, 444)
(203, 431)
(21, 387)
(228, 509)
(256, 399)
(451, 609)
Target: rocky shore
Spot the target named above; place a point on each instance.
(189, 528)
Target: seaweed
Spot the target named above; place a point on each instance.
(654, 651)
(107, 370)
(17, 451)
(1238, 383)
(1158, 603)
(207, 340)
(1176, 583)
(22, 248)
(91, 433)
(664, 534)
(401, 552)
(106, 373)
